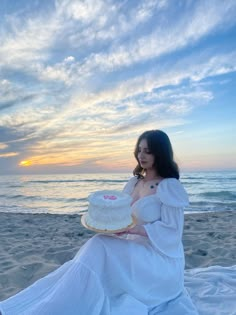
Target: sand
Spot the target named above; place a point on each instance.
(32, 245)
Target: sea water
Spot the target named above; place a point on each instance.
(67, 194)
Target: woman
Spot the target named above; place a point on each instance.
(137, 272)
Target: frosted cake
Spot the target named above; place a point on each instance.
(108, 210)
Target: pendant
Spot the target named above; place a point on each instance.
(152, 186)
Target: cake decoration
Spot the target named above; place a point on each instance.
(110, 197)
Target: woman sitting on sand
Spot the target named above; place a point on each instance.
(139, 274)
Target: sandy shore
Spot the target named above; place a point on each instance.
(32, 245)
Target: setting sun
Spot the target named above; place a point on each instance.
(25, 163)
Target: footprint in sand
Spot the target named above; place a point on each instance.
(200, 252)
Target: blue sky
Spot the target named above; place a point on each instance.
(80, 80)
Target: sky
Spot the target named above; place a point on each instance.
(81, 80)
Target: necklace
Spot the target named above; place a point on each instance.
(151, 183)
(152, 186)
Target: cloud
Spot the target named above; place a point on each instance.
(31, 47)
(3, 146)
(9, 142)
(130, 106)
(9, 134)
(10, 103)
(163, 40)
(171, 75)
(117, 109)
(7, 155)
(28, 43)
(86, 23)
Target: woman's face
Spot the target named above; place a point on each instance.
(146, 159)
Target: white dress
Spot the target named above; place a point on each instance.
(120, 275)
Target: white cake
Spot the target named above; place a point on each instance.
(109, 210)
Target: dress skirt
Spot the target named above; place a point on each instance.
(109, 275)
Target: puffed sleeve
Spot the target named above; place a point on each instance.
(165, 234)
(129, 186)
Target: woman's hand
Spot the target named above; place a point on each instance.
(138, 229)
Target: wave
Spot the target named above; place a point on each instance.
(79, 181)
(211, 206)
(20, 210)
(15, 186)
(185, 183)
(12, 196)
(219, 194)
(213, 203)
(182, 178)
(41, 198)
(207, 178)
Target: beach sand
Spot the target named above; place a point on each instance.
(32, 245)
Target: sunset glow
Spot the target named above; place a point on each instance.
(25, 163)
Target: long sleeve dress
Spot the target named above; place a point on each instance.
(118, 275)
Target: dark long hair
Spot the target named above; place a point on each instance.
(160, 146)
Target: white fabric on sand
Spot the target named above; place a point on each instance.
(132, 274)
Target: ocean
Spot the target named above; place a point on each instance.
(67, 194)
